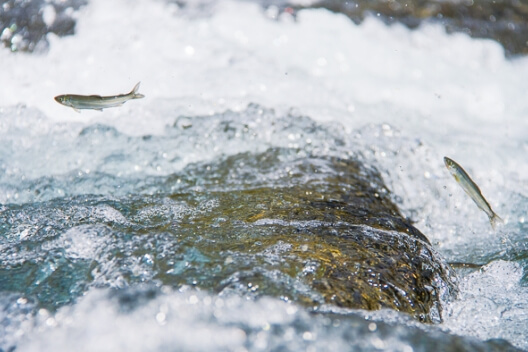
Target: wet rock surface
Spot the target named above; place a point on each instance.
(24, 24)
(503, 20)
(322, 232)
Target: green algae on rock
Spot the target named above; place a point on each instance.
(336, 239)
(321, 231)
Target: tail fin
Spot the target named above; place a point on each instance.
(134, 94)
(495, 220)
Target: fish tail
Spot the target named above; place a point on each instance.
(134, 93)
(494, 220)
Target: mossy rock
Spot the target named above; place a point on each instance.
(316, 230)
(332, 236)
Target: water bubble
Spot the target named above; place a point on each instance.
(49, 15)
(407, 348)
(51, 322)
(378, 343)
(308, 336)
(6, 34)
(193, 299)
(160, 318)
(22, 300)
(291, 310)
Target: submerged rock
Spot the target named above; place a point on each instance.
(286, 208)
(333, 231)
(311, 229)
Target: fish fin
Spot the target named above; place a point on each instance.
(495, 220)
(134, 93)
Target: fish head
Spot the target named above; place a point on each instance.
(450, 164)
(64, 100)
(453, 168)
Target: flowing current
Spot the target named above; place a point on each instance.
(109, 220)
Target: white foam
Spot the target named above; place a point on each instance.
(82, 242)
(492, 304)
(192, 321)
(322, 64)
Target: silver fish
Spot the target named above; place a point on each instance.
(97, 102)
(472, 190)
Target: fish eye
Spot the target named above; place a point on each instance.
(63, 99)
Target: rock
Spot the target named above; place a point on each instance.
(503, 20)
(331, 236)
(286, 208)
(24, 24)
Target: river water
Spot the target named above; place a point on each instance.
(103, 244)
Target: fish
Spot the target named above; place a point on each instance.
(472, 190)
(97, 102)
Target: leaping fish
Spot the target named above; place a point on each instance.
(97, 102)
(472, 190)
